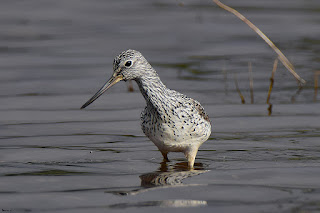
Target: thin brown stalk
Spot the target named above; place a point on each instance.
(275, 64)
(243, 101)
(293, 98)
(130, 86)
(251, 82)
(270, 109)
(281, 56)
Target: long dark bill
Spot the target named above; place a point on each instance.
(112, 81)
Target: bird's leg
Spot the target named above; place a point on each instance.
(191, 156)
(165, 156)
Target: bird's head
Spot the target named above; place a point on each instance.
(128, 65)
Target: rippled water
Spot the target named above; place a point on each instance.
(54, 55)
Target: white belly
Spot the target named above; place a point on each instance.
(176, 134)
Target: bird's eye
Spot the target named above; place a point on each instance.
(128, 63)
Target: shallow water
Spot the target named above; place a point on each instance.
(57, 158)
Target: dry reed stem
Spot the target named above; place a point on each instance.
(293, 98)
(251, 82)
(275, 64)
(270, 109)
(130, 86)
(281, 56)
(243, 101)
(316, 80)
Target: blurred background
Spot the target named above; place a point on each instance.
(54, 55)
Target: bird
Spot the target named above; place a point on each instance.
(171, 120)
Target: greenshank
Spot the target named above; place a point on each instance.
(171, 120)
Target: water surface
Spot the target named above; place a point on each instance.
(56, 158)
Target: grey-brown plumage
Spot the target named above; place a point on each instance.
(171, 120)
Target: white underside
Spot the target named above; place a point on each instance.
(170, 139)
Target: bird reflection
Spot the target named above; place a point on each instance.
(165, 177)
(170, 175)
(162, 203)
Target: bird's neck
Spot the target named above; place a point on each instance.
(153, 90)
